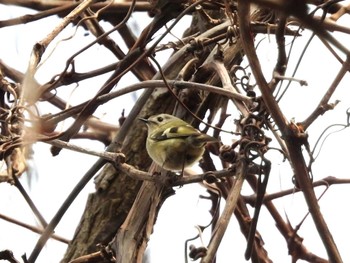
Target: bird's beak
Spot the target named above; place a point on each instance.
(144, 120)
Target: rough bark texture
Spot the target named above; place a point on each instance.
(107, 208)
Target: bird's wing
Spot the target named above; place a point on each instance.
(179, 131)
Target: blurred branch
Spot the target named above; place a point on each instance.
(299, 10)
(49, 121)
(344, 9)
(8, 255)
(30, 18)
(62, 8)
(332, 26)
(29, 201)
(32, 228)
(99, 256)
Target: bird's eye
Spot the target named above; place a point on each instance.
(160, 119)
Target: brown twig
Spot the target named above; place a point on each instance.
(62, 8)
(224, 219)
(327, 181)
(220, 69)
(32, 228)
(299, 10)
(31, 18)
(281, 64)
(294, 242)
(150, 84)
(8, 255)
(294, 139)
(132, 59)
(323, 105)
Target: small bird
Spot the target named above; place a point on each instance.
(173, 143)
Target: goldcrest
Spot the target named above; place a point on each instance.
(173, 143)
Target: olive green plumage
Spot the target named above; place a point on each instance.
(173, 143)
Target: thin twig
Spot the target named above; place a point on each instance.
(29, 201)
(293, 137)
(108, 156)
(220, 69)
(150, 84)
(40, 47)
(323, 105)
(32, 228)
(327, 181)
(224, 219)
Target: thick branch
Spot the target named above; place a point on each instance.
(292, 137)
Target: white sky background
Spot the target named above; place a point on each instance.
(50, 185)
